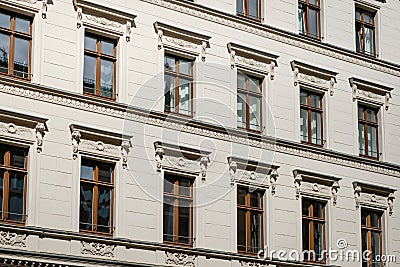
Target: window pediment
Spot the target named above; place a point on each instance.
(252, 173)
(28, 7)
(370, 92)
(178, 39)
(373, 195)
(104, 18)
(315, 77)
(253, 60)
(316, 184)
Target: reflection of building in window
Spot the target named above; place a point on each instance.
(309, 18)
(249, 8)
(365, 32)
(368, 132)
(311, 129)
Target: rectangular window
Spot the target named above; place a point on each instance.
(178, 210)
(178, 85)
(250, 220)
(368, 132)
(371, 230)
(96, 197)
(311, 118)
(249, 8)
(99, 71)
(13, 181)
(365, 32)
(310, 18)
(15, 45)
(249, 102)
(313, 223)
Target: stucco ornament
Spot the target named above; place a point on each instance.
(97, 249)
(79, 16)
(232, 171)
(297, 185)
(204, 161)
(12, 239)
(390, 201)
(180, 259)
(335, 189)
(44, 9)
(251, 264)
(273, 177)
(357, 195)
(125, 148)
(40, 131)
(159, 155)
(76, 139)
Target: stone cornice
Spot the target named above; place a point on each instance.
(191, 126)
(278, 35)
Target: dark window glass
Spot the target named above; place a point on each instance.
(4, 52)
(105, 173)
(365, 32)
(168, 220)
(311, 111)
(309, 18)
(86, 207)
(104, 210)
(16, 202)
(368, 132)
(17, 158)
(249, 8)
(89, 74)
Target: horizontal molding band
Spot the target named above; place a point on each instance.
(278, 35)
(191, 126)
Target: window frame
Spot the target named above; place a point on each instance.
(309, 108)
(362, 24)
(307, 6)
(98, 55)
(246, 8)
(95, 183)
(367, 123)
(370, 229)
(12, 33)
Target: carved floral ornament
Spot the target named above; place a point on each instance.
(316, 77)
(104, 18)
(185, 41)
(252, 173)
(252, 60)
(370, 92)
(97, 249)
(375, 196)
(180, 259)
(316, 184)
(12, 239)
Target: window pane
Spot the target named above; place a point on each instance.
(16, 198)
(254, 84)
(358, 15)
(241, 197)
(316, 128)
(375, 220)
(169, 90)
(364, 215)
(5, 20)
(241, 230)
(89, 75)
(364, 238)
(169, 185)
(372, 142)
(359, 41)
(315, 100)
(2, 155)
(253, 8)
(304, 125)
(184, 187)
(368, 17)
(104, 210)
(239, 6)
(23, 25)
(105, 173)
(306, 238)
(168, 219)
(371, 115)
(107, 47)
(4, 52)
(314, 25)
(360, 113)
(256, 237)
(369, 40)
(319, 241)
(17, 158)
(169, 63)
(185, 67)
(241, 80)
(184, 222)
(361, 138)
(256, 199)
(313, 2)
(241, 110)
(1, 192)
(301, 14)
(255, 113)
(85, 215)
(87, 170)
(185, 93)
(90, 43)
(107, 78)
(303, 98)
(318, 209)
(21, 57)
(306, 208)
(376, 248)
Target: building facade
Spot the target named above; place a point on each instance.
(199, 133)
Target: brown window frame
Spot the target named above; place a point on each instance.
(369, 229)
(246, 10)
(311, 109)
(99, 56)
(95, 183)
(12, 33)
(248, 209)
(307, 6)
(246, 91)
(176, 198)
(360, 22)
(367, 123)
(312, 219)
(6, 169)
(179, 76)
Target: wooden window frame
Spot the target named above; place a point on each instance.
(370, 229)
(307, 6)
(176, 197)
(362, 24)
(248, 209)
(246, 91)
(367, 123)
(179, 76)
(6, 169)
(12, 33)
(246, 9)
(95, 183)
(311, 219)
(309, 110)
(99, 56)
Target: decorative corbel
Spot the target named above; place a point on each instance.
(205, 160)
(335, 189)
(79, 17)
(44, 9)
(232, 58)
(125, 148)
(159, 155)
(159, 39)
(204, 46)
(296, 76)
(39, 131)
(232, 171)
(390, 201)
(76, 138)
(331, 85)
(272, 70)
(273, 177)
(297, 184)
(354, 90)
(357, 195)
(387, 100)
(128, 30)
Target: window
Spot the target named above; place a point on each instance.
(178, 84)
(365, 32)
(249, 97)
(250, 221)
(310, 18)
(96, 197)
(249, 8)
(313, 223)
(15, 45)
(368, 132)
(178, 210)
(99, 70)
(311, 130)
(13, 180)
(371, 230)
